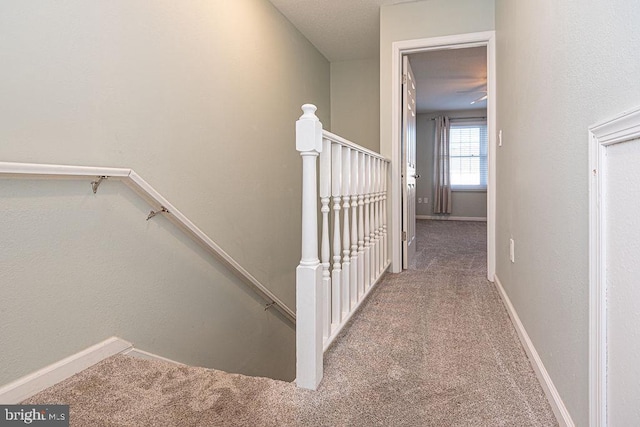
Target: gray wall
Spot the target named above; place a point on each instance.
(78, 268)
(418, 20)
(200, 98)
(562, 66)
(355, 101)
(470, 204)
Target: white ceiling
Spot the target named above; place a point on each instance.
(344, 30)
(341, 29)
(442, 74)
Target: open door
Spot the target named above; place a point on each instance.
(408, 164)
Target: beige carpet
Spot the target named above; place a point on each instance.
(433, 346)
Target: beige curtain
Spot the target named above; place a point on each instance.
(442, 181)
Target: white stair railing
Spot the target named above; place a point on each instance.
(353, 244)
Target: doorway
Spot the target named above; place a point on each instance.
(409, 47)
(450, 139)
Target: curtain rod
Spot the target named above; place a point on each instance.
(463, 118)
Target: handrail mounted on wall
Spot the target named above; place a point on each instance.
(159, 205)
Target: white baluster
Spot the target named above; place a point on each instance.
(372, 224)
(354, 229)
(361, 187)
(336, 274)
(380, 218)
(367, 222)
(346, 256)
(308, 273)
(325, 248)
(385, 244)
(375, 268)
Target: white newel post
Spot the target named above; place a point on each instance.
(309, 273)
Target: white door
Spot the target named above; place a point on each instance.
(621, 200)
(408, 164)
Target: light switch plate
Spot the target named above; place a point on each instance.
(512, 250)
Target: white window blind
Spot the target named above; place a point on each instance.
(468, 155)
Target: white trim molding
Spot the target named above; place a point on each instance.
(141, 354)
(625, 127)
(31, 384)
(159, 204)
(404, 47)
(557, 405)
(452, 218)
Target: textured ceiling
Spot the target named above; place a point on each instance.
(341, 29)
(442, 75)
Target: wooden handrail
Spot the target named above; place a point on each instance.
(352, 145)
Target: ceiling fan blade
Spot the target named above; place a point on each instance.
(478, 88)
(482, 98)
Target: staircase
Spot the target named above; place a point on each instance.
(432, 346)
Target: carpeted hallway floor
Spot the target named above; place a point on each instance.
(433, 346)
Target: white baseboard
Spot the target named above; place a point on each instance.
(35, 382)
(559, 410)
(452, 218)
(141, 354)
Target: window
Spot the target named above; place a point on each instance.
(468, 155)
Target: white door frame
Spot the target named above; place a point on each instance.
(400, 48)
(623, 128)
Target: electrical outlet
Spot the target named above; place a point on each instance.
(419, 199)
(500, 138)
(512, 250)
